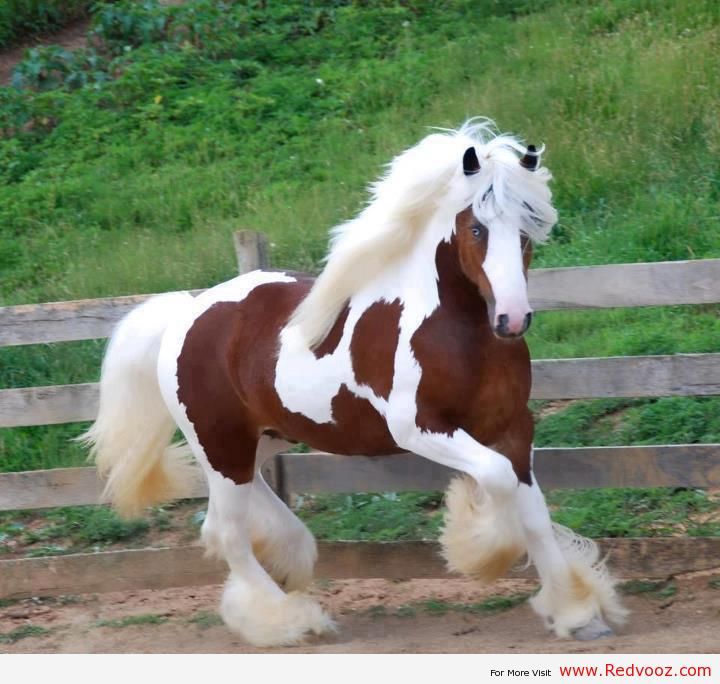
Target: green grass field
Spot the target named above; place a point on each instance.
(125, 168)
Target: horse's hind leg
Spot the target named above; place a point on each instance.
(577, 593)
(253, 605)
(281, 541)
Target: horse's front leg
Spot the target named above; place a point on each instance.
(456, 449)
(578, 594)
(482, 535)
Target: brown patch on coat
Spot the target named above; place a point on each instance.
(330, 343)
(471, 379)
(226, 380)
(471, 253)
(373, 345)
(516, 444)
(212, 403)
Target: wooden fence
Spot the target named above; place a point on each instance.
(627, 285)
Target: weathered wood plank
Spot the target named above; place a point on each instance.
(186, 566)
(62, 487)
(82, 319)
(614, 285)
(49, 405)
(652, 284)
(692, 465)
(679, 465)
(621, 376)
(627, 376)
(685, 465)
(109, 571)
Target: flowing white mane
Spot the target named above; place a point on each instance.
(416, 184)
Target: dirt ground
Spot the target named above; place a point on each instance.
(373, 616)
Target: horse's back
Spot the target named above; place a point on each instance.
(226, 378)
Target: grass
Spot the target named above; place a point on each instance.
(206, 619)
(115, 157)
(79, 529)
(23, 632)
(129, 176)
(670, 420)
(608, 512)
(6, 603)
(438, 607)
(373, 517)
(656, 590)
(133, 620)
(653, 512)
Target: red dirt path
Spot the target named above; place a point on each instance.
(686, 622)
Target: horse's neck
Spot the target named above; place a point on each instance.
(429, 277)
(455, 290)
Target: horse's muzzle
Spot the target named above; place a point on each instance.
(502, 328)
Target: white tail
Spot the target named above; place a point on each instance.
(130, 440)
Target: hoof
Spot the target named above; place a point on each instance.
(595, 629)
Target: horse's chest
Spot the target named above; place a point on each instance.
(469, 378)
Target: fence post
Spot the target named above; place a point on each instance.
(251, 249)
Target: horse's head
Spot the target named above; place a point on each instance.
(420, 201)
(493, 236)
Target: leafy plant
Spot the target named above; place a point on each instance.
(46, 68)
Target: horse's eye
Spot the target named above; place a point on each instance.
(476, 231)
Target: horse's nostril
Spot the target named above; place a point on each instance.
(503, 320)
(528, 320)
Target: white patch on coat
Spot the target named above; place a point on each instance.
(307, 385)
(503, 267)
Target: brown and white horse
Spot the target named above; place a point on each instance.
(410, 339)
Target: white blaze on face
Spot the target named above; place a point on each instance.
(503, 267)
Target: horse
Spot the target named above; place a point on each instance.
(409, 340)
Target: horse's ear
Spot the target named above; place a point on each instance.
(471, 163)
(530, 159)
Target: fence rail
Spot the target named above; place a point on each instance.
(183, 566)
(594, 378)
(681, 465)
(622, 285)
(589, 287)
